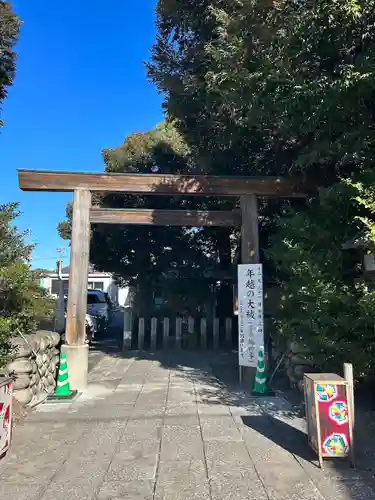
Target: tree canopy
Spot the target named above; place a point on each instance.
(150, 256)
(9, 30)
(269, 87)
(284, 88)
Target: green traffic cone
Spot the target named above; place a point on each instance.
(63, 386)
(260, 386)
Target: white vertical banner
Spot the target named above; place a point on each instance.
(250, 313)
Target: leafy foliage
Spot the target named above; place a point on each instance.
(9, 30)
(279, 88)
(269, 87)
(22, 301)
(325, 302)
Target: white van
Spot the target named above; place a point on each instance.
(91, 325)
(98, 305)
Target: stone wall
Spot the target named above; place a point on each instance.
(298, 363)
(35, 366)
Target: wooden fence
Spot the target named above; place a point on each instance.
(181, 333)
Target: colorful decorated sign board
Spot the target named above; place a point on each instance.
(329, 416)
(6, 390)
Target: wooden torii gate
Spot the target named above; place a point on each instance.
(248, 189)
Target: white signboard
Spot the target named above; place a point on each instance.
(6, 386)
(250, 313)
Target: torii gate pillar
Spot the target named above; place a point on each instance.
(249, 255)
(76, 349)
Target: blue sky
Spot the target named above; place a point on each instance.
(81, 86)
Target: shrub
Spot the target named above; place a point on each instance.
(22, 300)
(326, 302)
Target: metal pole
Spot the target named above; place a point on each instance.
(30, 256)
(60, 312)
(348, 375)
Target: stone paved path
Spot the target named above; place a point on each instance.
(167, 429)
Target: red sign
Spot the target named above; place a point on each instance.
(333, 420)
(6, 389)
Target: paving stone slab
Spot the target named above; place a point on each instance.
(24, 491)
(266, 443)
(177, 409)
(230, 456)
(338, 469)
(282, 480)
(193, 469)
(213, 399)
(36, 449)
(185, 480)
(186, 420)
(78, 479)
(181, 442)
(86, 413)
(142, 429)
(156, 387)
(34, 470)
(345, 490)
(229, 487)
(127, 385)
(116, 399)
(124, 490)
(239, 473)
(246, 410)
(312, 494)
(214, 410)
(178, 383)
(274, 404)
(103, 376)
(40, 439)
(106, 385)
(219, 428)
(261, 452)
(142, 469)
(149, 404)
(185, 394)
(135, 449)
(143, 411)
(146, 400)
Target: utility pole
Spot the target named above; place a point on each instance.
(60, 312)
(60, 251)
(29, 244)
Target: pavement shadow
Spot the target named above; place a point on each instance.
(284, 435)
(215, 372)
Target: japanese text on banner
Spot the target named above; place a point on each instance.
(250, 313)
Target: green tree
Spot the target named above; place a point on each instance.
(22, 301)
(283, 88)
(150, 256)
(326, 304)
(265, 87)
(9, 31)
